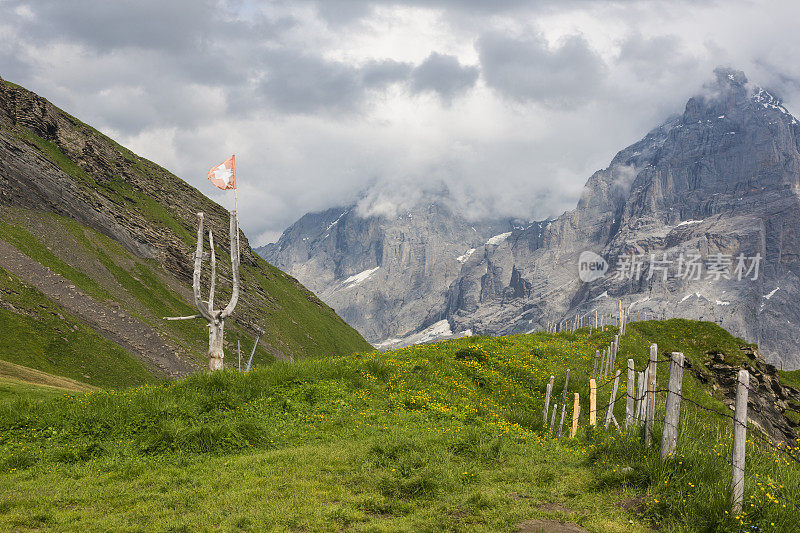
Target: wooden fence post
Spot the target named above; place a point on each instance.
(739, 441)
(592, 402)
(651, 397)
(639, 396)
(610, 412)
(576, 411)
(596, 357)
(547, 397)
(614, 355)
(553, 417)
(603, 366)
(563, 405)
(630, 395)
(669, 439)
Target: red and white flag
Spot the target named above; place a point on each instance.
(224, 174)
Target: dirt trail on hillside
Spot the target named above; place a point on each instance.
(108, 319)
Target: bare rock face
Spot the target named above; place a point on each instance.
(721, 178)
(386, 276)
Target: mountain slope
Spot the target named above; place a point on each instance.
(386, 275)
(107, 238)
(721, 178)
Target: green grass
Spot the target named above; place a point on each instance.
(46, 337)
(442, 437)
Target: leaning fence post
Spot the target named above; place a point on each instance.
(547, 397)
(630, 392)
(576, 411)
(592, 402)
(669, 439)
(651, 397)
(739, 441)
(553, 417)
(610, 412)
(563, 404)
(596, 357)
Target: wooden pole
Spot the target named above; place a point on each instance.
(619, 316)
(610, 412)
(553, 417)
(669, 439)
(639, 396)
(651, 397)
(603, 365)
(630, 395)
(739, 441)
(594, 369)
(592, 402)
(576, 411)
(563, 404)
(547, 394)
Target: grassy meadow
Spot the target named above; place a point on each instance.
(439, 437)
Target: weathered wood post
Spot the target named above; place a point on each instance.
(669, 439)
(563, 404)
(639, 396)
(215, 318)
(553, 417)
(651, 397)
(547, 394)
(630, 395)
(739, 441)
(614, 387)
(615, 349)
(603, 366)
(592, 402)
(594, 369)
(576, 411)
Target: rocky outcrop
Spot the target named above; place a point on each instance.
(769, 401)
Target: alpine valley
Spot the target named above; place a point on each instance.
(721, 180)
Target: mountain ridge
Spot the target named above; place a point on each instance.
(727, 167)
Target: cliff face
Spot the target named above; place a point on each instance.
(722, 178)
(386, 276)
(50, 162)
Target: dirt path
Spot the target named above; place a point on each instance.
(108, 319)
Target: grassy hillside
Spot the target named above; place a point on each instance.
(122, 230)
(442, 437)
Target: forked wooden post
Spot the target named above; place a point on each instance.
(592, 402)
(576, 411)
(630, 395)
(669, 439)
(651, 397)
(614, 387)
(563, 405)
(739, 441)
(547, 394)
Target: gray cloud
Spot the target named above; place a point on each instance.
(443, 74)
(323, 100)
(529, 70)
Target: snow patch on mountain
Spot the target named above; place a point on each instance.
(355, 279)
(497, 239)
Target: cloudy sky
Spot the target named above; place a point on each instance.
(510, 104)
